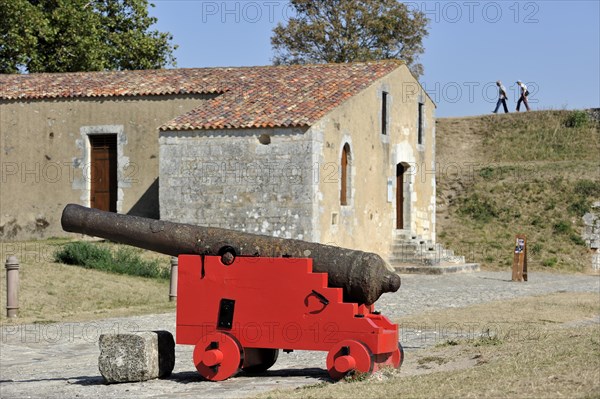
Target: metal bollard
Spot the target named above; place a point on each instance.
(173, 288)
(12, 286)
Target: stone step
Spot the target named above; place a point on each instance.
(406, 246)
(419, 247)
(438, 269)
(402, 235)
(398, 253)
(429, 260)
(416, 245)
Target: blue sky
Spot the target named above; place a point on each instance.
(553, 46)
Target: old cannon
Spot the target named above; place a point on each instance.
(242, 297)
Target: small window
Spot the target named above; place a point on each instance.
(345, 175)
(384, 127)
(420, 123)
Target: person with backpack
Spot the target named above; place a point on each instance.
(501, 98)
(523, 97)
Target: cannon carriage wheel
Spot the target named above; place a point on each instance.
(352, 356)
(218, 356)
(398, 356)
(257, 360)
(347, 357)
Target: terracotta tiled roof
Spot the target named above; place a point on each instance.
(112, 84)
(252, 97)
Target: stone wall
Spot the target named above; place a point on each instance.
(591, 233)
(255, 180)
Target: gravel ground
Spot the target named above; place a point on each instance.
(61, 360)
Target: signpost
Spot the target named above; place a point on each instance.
(519, 271)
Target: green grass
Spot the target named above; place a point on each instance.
(121, 261)
(530, 173)
(539, 136)
(54, 292)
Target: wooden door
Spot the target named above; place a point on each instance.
(344, 177)
(400, 196)
(103, 172)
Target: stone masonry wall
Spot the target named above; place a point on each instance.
(255, 180)
(591, 233)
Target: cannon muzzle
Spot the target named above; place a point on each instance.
(363, 276)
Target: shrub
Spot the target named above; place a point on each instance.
(550, 262)
(577, 240)
(486, 173)
(536, 221)
(82, 254)
(587, 188)
(478, 208)
(583, 191)
(487, 341)
(580, 206)
(550, 205)
(561, 227)
(122, 261)
(577, 119)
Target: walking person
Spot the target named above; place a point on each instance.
(501, 98)
(523, 97)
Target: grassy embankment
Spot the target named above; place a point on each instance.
(532, 173)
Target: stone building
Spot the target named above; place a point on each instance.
(325, 153)
(334, 153)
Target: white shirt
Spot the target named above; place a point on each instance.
(502, 91)
(523, 88)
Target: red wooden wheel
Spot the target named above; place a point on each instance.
(218, 356)
(347, 357)
(398, 356)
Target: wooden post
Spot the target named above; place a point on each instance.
(519, 271)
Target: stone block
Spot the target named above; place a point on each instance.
(137, 356)
(589, 218)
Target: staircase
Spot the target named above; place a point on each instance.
(412, 254)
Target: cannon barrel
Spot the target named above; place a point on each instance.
(363, 276)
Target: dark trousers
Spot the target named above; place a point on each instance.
(522, 99)
(503, 102)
